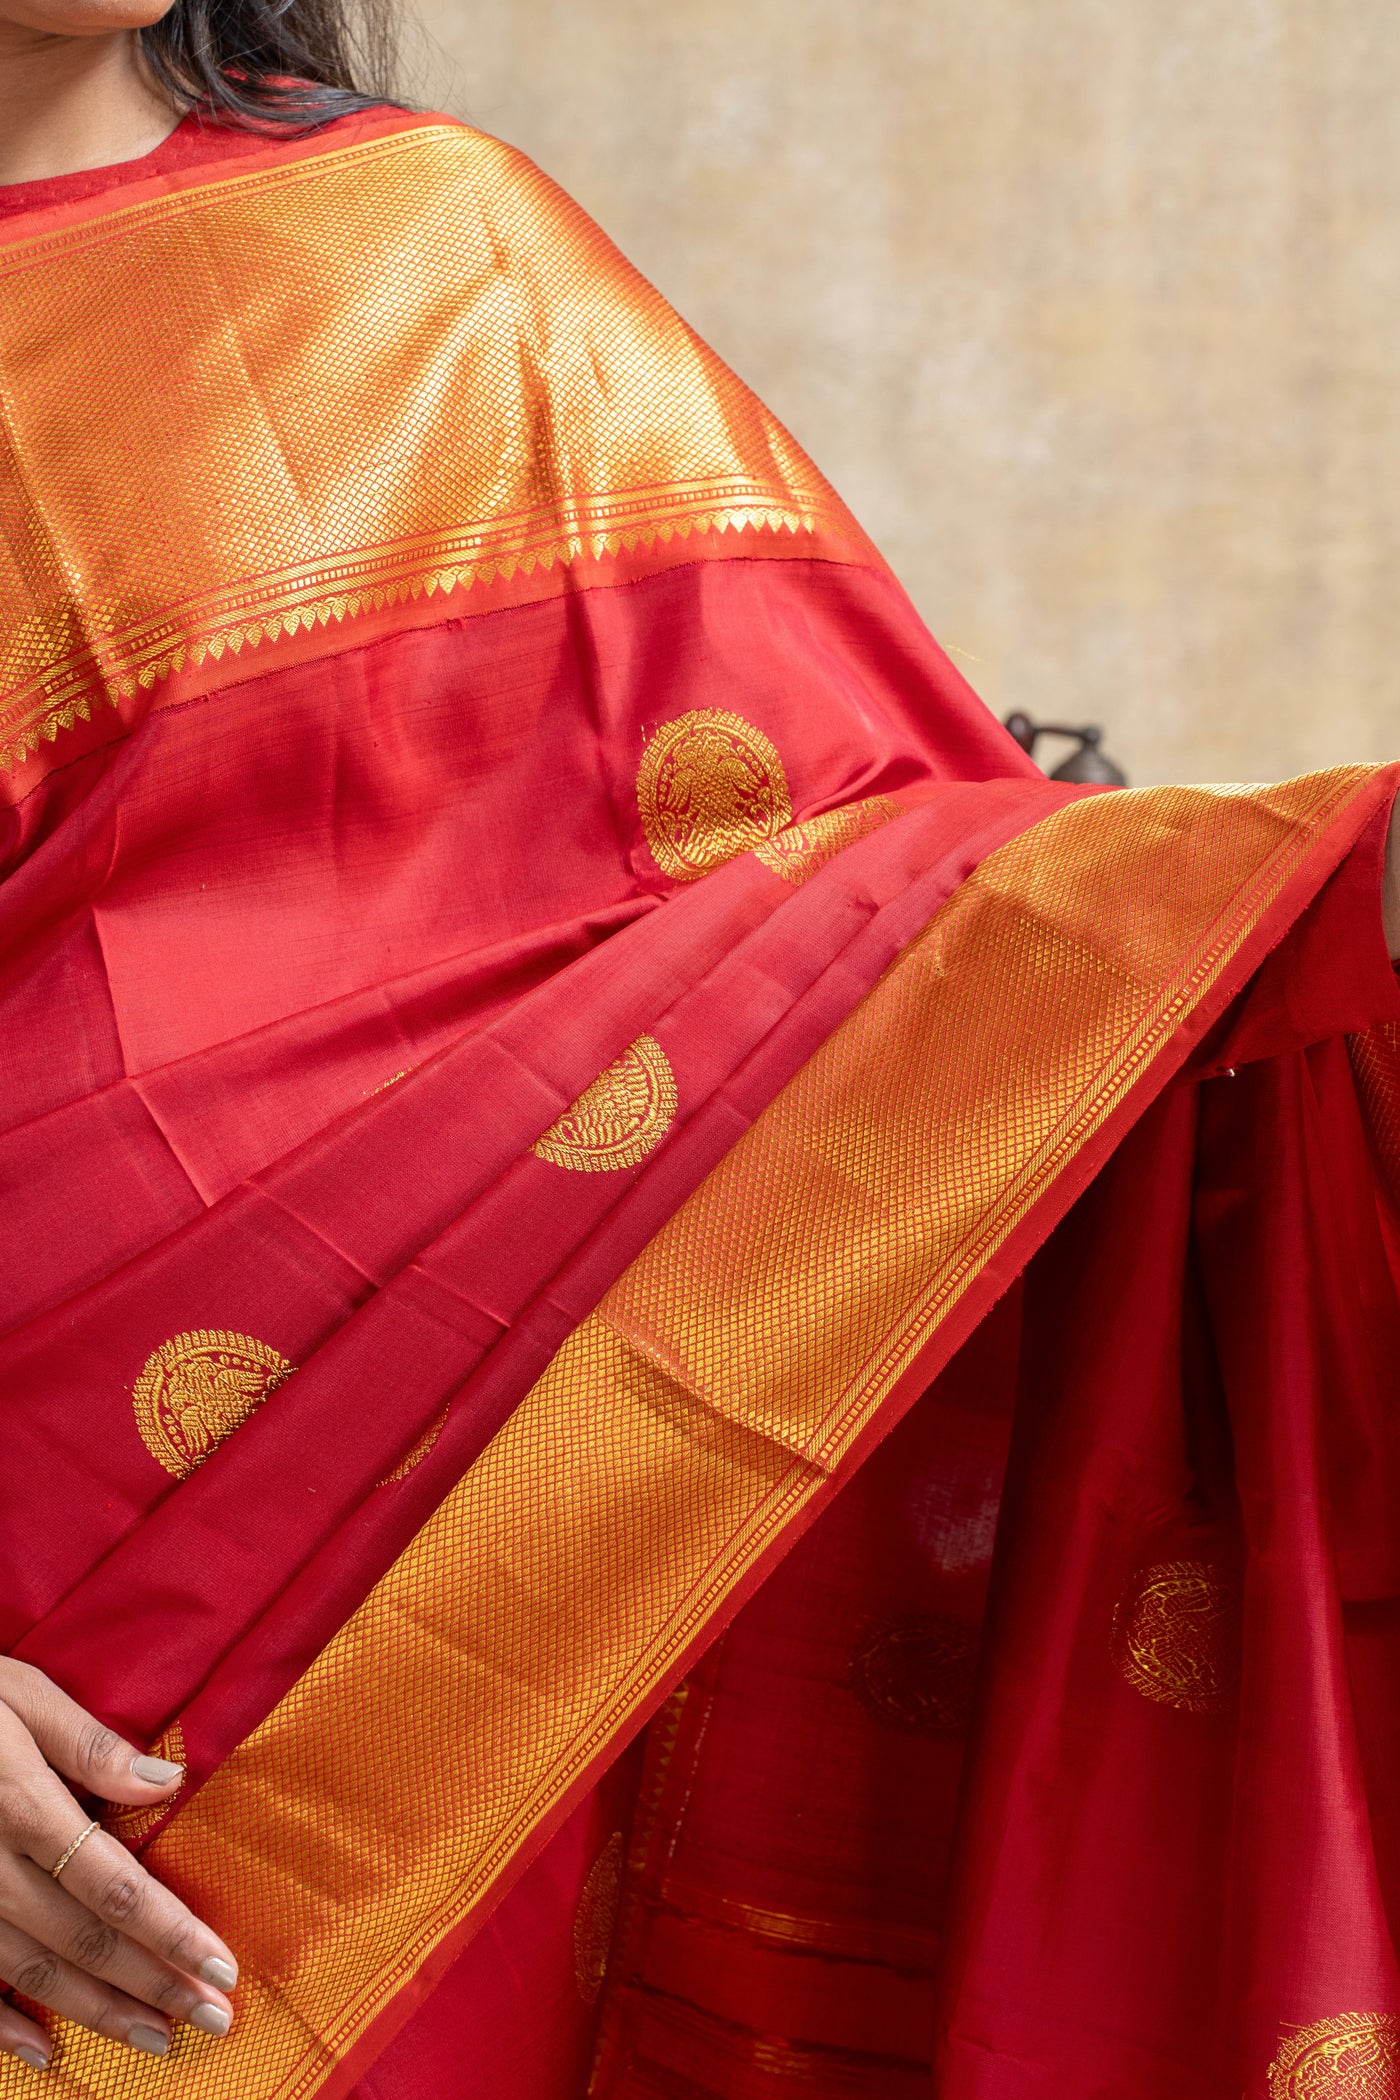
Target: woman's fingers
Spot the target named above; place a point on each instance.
(84, 1929)
(44, 1976)
(121, 1896)
(33, 1901)
(94, 1757)
(106, 1880)
(23, 2038)
(39, 1820)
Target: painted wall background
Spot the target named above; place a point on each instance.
(1091, 309)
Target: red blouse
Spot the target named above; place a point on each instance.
(193, 140)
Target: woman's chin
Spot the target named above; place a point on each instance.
(80, 18)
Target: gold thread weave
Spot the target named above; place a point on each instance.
(419, 1451)
(1354, 2056)
(1375, 1059)
(620, 1118)
(690, 1419)
(596, 1918)
(798, 852)
(195, 1390)
(917, 1674)
(710, 786)
(430, 372)
(1170, 1635)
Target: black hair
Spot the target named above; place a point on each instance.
(274, 65)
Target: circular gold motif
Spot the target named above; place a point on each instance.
(801, 849)
(1170, 1635)
(129, 1821)
(199, 1386)
(419, 1451)
(710, 786)
(620, 1118)
(918, 1675)
(1355, 2056)
(596, 1918)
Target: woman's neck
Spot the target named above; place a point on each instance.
(74, 102)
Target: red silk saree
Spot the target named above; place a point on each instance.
(723, 1366)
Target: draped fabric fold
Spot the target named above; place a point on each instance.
(546, 1024)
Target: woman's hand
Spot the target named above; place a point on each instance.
(104, 1945)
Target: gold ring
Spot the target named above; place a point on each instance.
(65, 1857)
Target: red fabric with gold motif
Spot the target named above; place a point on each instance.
(366, 1014)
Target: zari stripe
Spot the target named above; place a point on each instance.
(407, 369)
(1375, 1060)
(687, 1425)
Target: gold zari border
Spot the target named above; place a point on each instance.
(692, 1417)
(406, 368)
(272, 608)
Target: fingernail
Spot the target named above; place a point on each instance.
(33, 2059)
(148, 2038)
(222, 1974)
(211, 2019)
(155, 1770)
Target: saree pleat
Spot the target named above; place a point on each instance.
(350, 1211)
(1159, 1761)
(525, 1618)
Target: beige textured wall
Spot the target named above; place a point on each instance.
(1091, 308)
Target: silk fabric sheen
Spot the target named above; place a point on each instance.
(506, 904)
